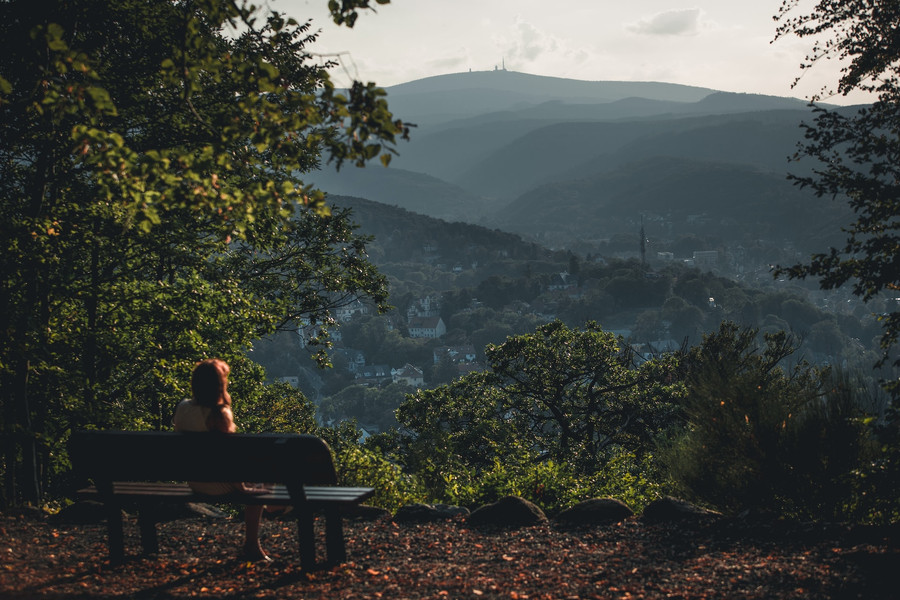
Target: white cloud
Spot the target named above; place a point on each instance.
(530, 43)
(526, 45)
(720, 44)
(684, 21)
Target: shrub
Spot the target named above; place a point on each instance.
(760, 437)
(358, 466)
(548, 484)
(275, 408)
(635, 480)
(555, 486)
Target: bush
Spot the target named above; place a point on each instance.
(763, 438)
(555, 486)
(635, 480)
(548, 484)
(358, 466)
(275, 408)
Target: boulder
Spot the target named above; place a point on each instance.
(669, 509)
(596, 511)
(511, 511)
(428, 513)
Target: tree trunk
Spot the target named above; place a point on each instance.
(30, 480)
(89, 348)
(9, 461)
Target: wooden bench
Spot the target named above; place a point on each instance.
(144, 469)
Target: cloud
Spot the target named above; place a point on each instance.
(684, 21)
(530, 43)
(525, 44)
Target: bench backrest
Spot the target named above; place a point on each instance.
(169, 456)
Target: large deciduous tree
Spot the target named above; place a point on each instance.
(857, 150)
(858, 153)
(578, 393)
(576, 397)
(152, 207)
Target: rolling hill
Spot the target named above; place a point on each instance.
(460, 95)
(535, 155)
(679, 197)
(416, 192)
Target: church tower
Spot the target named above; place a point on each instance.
(643, 244)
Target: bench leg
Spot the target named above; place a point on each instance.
(306, 535)
(147, 525)
(334, 536)
(115, 533)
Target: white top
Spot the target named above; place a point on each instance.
(190, 416)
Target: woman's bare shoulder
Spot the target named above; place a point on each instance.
(223, 421)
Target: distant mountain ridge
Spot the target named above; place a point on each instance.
(402, 235)
(514, 81)
(730, 201)
(467, 94)
(574, 150)
(416, 192)
(444, 98)
(533, 154)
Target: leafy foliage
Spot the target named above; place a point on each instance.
(857, 157)
(860, 35)
(276, 408)
(555, 486)
(858, 153)
(857, 150)
(762, 438)
(550, 485)
(578, 394)
(569, 398)
(360, 464)
(456, 427)
(151, 209)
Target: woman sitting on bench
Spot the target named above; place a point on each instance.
(210, 410)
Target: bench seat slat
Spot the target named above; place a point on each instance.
(182, 492)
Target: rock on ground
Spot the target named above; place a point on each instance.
(596, 511)
(511, 511)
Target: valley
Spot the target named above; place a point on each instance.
(531, 199)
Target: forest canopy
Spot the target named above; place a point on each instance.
(152, 207)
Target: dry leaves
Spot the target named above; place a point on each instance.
(198, 560)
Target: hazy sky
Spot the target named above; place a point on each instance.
(720, 44)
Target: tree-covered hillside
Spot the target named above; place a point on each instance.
(678, 197)
(487, 285)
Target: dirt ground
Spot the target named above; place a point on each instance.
(46, 558)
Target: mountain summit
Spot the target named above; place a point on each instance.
(461, 95)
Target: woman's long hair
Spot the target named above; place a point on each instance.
(209, 386)
(209, 383)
